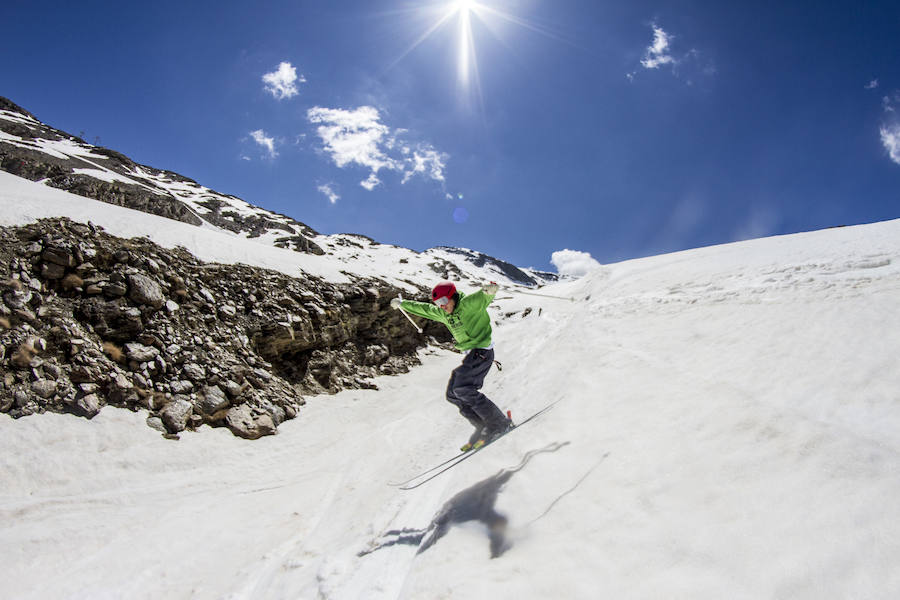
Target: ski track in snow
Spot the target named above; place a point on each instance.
(727, 417)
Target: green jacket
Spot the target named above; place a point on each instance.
(469, 322)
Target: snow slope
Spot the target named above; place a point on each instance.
(23, 201)
(726, 428)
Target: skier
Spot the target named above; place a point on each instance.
(467, 319)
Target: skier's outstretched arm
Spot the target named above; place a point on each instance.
(420, 309)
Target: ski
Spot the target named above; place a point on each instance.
(426, 476)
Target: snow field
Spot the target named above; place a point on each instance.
(726, 428)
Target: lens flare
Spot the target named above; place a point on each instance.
(463, 14)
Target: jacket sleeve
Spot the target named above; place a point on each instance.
(481, 299)
(421, 309)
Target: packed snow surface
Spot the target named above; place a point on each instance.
(725, 427)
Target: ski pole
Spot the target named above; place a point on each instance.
(541, 295)
(405, 314)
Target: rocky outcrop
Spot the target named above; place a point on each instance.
(88, 319)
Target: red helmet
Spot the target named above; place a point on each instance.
(444, 289)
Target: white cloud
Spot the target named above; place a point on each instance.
(282, 82)
(358, 137)
(259, 136)
(371, 183)
(691, 66)
(329, 192)
(425, 160)
(872, 84)
(573, 263)
(890, 137)
(657, 53)
(354, 137)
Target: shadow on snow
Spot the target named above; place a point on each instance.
(475, 503)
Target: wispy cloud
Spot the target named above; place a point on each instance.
(282, 82)
(687, 65)
(657, 53)
(329, 192)
(872, 85)
(573, 263)
(425, 160)
(358, 137)
(890, 129)
(268, 143)
(890, 137)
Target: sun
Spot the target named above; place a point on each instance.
(461, 14)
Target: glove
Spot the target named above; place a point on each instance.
(490, 289)
(395, 303)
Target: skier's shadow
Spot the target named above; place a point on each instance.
(475, 503)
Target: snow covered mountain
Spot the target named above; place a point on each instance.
(35, 151)
(725, 427)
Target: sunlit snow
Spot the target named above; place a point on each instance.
(726, 427)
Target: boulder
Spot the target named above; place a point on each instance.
(144, 290)
(212, 400)
(244, 422)
(176, 414)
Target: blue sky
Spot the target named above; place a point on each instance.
(618, 129)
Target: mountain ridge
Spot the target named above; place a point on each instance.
(31, 149)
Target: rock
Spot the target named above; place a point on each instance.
(115, 289)
(122, 383)
(181, 387)
(145, 291)
(157, 424)
(140, 353)
(20, 397)
(377, 354)
(233, 340)
(232, 388)
(52, 271)
(23, 314)
(194, 372)
(45, 388)
(175, 415)
(243, 422)
(58, 256)
(212, 400)
(88, 405)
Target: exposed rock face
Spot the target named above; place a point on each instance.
(88, 319)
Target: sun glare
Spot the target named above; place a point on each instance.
(462, 13)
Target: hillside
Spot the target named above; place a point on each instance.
(35, 151)
(725, 428)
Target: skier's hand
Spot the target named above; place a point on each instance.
(395, 303)
(490, 288)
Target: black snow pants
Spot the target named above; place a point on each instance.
(463, 391)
